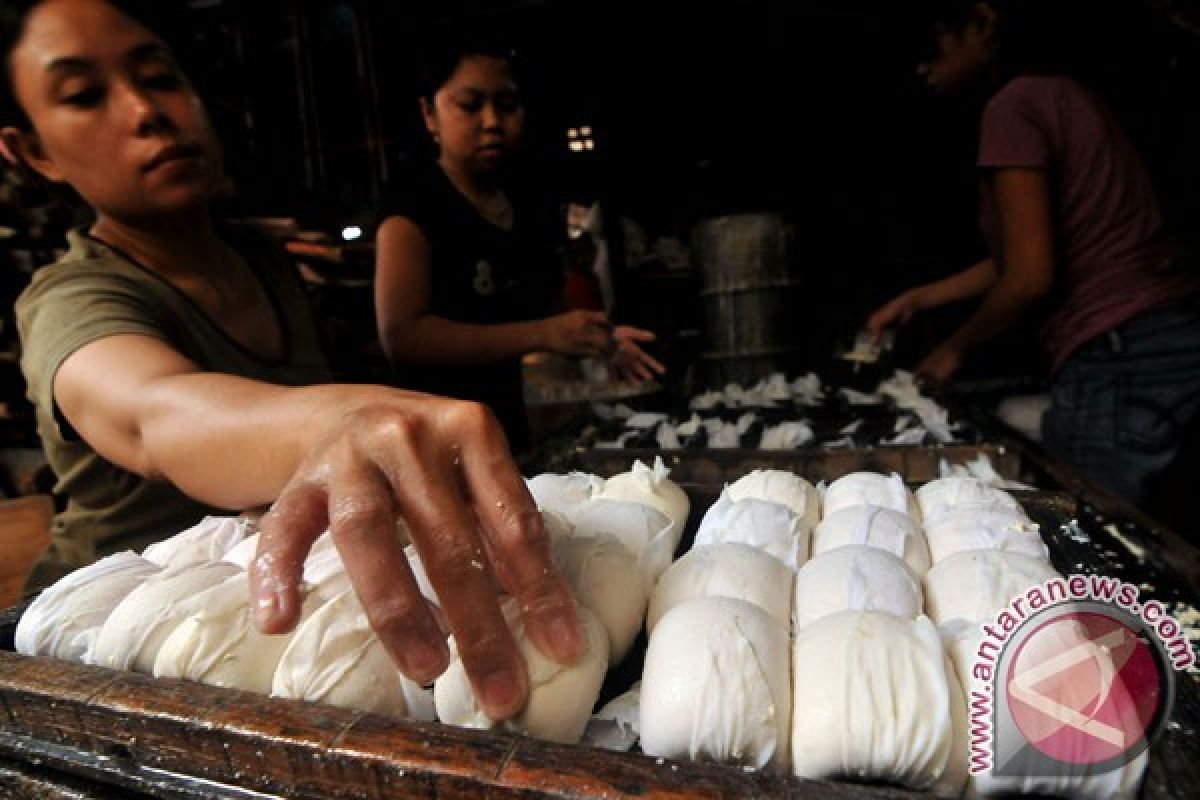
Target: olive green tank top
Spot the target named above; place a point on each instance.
(94, 292)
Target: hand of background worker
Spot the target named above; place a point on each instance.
(936, 369)
(629, 361)
(443, 466)
(579, 333)
(895, 313)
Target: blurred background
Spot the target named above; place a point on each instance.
(657, 116)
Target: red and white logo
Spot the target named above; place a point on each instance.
(1085, 688)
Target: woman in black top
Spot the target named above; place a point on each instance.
(466, 275)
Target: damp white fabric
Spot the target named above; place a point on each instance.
(715, 685)
(769, 526)
(724, 570)
(875, 698)
(208, 540)
(65, 619)
(561, 698)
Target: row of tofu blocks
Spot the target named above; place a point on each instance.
(797, 633)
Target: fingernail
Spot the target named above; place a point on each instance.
(564, 638)
(423, 661)
(501, 692)
(268, 608)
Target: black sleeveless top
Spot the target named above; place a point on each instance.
(480, 274)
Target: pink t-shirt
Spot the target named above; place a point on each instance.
(1114, 258)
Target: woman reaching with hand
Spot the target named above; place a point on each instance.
(175, 370)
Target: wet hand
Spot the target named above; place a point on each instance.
(443, 467)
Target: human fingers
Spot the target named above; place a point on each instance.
(633, 371)
(362, 518)
(630, 333)
(879, 321)
(644, 359)
(516, 538)
(421, 470)
(286, 534)
(595, 340)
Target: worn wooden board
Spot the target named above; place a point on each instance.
(166, 736)
(24, 781)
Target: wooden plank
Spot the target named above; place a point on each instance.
(133, 723)
(574, 772)
(19, 781)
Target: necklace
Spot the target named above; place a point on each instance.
(496, 209)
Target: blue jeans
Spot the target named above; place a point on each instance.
(1120, 405)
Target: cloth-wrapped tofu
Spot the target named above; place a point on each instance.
(960, 491)
(218, 643)
(651, 486)
(965, 529)
(554, 492)
(335, 658)
(875, 698)
(715, 685)
(874, 526)
(764, 524)
(208, 540)
(724, 570)
(561, 698)
(855, 577)
(604, 575)
(1077, 690)
(65, 619)
(647, 532)
(975, 585)
(870, 489)
(779, 486)
(135, 631)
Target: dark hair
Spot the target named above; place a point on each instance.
(12, 28)
(163, 17)
(441, 58)
(1033, 36)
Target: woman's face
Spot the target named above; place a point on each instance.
(112, 114)
(963, 57)
(477, 116)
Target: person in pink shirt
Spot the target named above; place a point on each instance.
(1077, 243)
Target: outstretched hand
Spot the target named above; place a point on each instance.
(935, 371)
(628, 360)
(444, 467)
(579, 333)
(894, 314)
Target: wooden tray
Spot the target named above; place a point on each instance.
(176, 739)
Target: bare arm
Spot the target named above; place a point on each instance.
(410, 333)
(1027, 233)
(353, 459)
(970, 282)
